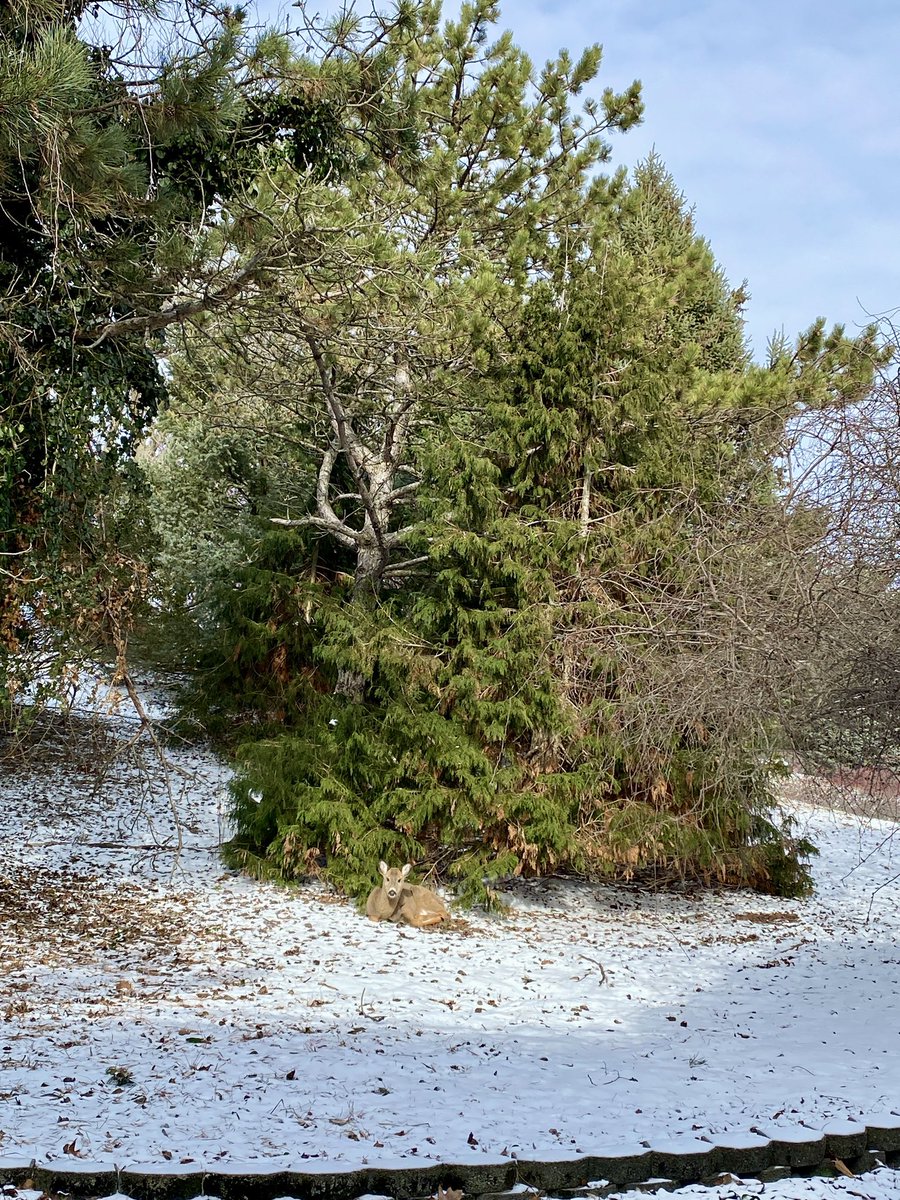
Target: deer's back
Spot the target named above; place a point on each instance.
(422, 907)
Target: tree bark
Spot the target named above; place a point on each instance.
(374, 466)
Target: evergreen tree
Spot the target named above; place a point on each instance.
(507, 727)
(382, 335)
(622, 438)
(109, 178)
(408, 270)
(534, 537)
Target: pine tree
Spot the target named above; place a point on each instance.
(533, 538)
(404, 274)
(385, 329)
(108, 178)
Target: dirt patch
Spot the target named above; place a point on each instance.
(62, 917)
(867, 792)
(766, 918)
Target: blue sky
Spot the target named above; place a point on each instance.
(781, 124)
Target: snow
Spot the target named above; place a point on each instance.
(879, 1185)
(160, 1011)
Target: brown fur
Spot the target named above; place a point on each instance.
(396, 900)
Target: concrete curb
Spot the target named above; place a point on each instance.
(859, 1148)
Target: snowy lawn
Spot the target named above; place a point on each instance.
(160, 1009)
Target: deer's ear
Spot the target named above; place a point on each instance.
(406, 870)
(383, 868)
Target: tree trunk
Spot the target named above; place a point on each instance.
(370, 563)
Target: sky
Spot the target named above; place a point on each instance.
(779, 122)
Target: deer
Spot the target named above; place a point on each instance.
(396, 900)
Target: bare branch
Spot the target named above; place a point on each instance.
(393, 570)
(326, 518)
(402, 494)
(357, 453)
(340, 532)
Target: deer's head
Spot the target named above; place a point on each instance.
(394, 879)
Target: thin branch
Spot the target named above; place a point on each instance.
(401, 494)
(178, 313)
(356, 452)
(338, 531)
(405, 567)
(147, 726)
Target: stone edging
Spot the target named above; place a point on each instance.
(594, 1175)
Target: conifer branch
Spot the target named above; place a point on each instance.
(357, 453)
(398, 536)
(393, 570)
(178, 313)
(404, 493)
(339, 531)
(400, 414)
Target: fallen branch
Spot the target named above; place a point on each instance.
(594, 963)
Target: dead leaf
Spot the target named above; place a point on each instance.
(843, 1168)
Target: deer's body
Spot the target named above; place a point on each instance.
(397, 900)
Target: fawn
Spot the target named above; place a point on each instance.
(397, 900)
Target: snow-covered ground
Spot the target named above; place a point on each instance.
(879, 1185)
(158, 1008)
